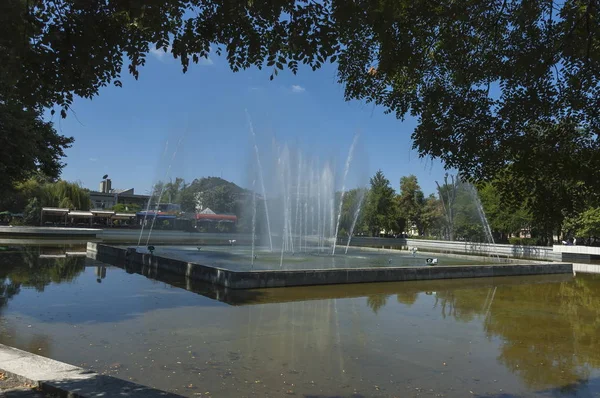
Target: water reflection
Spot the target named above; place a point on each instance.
(29, 266)
(535, 335)
(376, 301)
(550, 333)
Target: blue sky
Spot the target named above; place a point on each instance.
(123, 132)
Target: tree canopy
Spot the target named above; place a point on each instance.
(380, 209)
(519, 86)
(411, 201)
(28, 145)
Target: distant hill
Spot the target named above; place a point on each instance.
(219, 195)
(205, 184)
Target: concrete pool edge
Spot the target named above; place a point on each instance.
(67, 380)
(288, 278)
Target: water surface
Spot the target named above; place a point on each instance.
(501, 337)
(239, 258)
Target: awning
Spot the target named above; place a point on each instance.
(55, 210)
(216, 217)
(123, 216)
(102, 213)
(81, 214)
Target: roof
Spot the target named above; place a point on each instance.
(159, 215)
(124, 215)
(207, 211)
(216, 217)
(120, 195)
(81, 214)
(103, 212)
(54, 210)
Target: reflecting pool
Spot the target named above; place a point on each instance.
(501, 337)
(245, 258)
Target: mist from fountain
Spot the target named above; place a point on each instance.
(261, 178)
(150, 201)
(481, 212)
(299, 195)
(162, 190)
(346, 169)
(360, 200)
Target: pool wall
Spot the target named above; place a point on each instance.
(285, 278)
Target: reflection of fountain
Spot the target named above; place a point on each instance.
(253, 222)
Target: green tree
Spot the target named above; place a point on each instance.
(547, 196)
(411, 201)
(66, 195)
(126, 208)
(467, 221)
(216, 193)
(173, 190)
(462, 220)
(28, 145)
(31, 195)
(380, 211)
(433, 216)
(587, 225)
(353, 199)
(522, 81)
(220, 199)
(32, 212)
(505, 218)
(447, 194)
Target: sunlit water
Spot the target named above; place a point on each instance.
(497, 337)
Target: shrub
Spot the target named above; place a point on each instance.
(522, 241)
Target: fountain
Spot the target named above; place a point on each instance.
(346, 169)
(261, 178)
(481, 212)
(302, 209)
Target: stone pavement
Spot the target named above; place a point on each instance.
(13, 388)
(64, 379)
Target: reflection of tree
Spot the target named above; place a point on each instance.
(550, 332)
(7, 291)
(463, 305)
(24, 267)
(376, 301)
(407, 297)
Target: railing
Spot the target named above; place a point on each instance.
(473, 248)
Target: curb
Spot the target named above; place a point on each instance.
(67, 380)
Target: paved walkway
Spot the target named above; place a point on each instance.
(65, 379)
(12, 388)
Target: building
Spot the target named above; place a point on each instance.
(107, 197)
(211, 221)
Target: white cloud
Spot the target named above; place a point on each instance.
(159, 52)
(93, 159)
(297, 89)
(205, 61)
